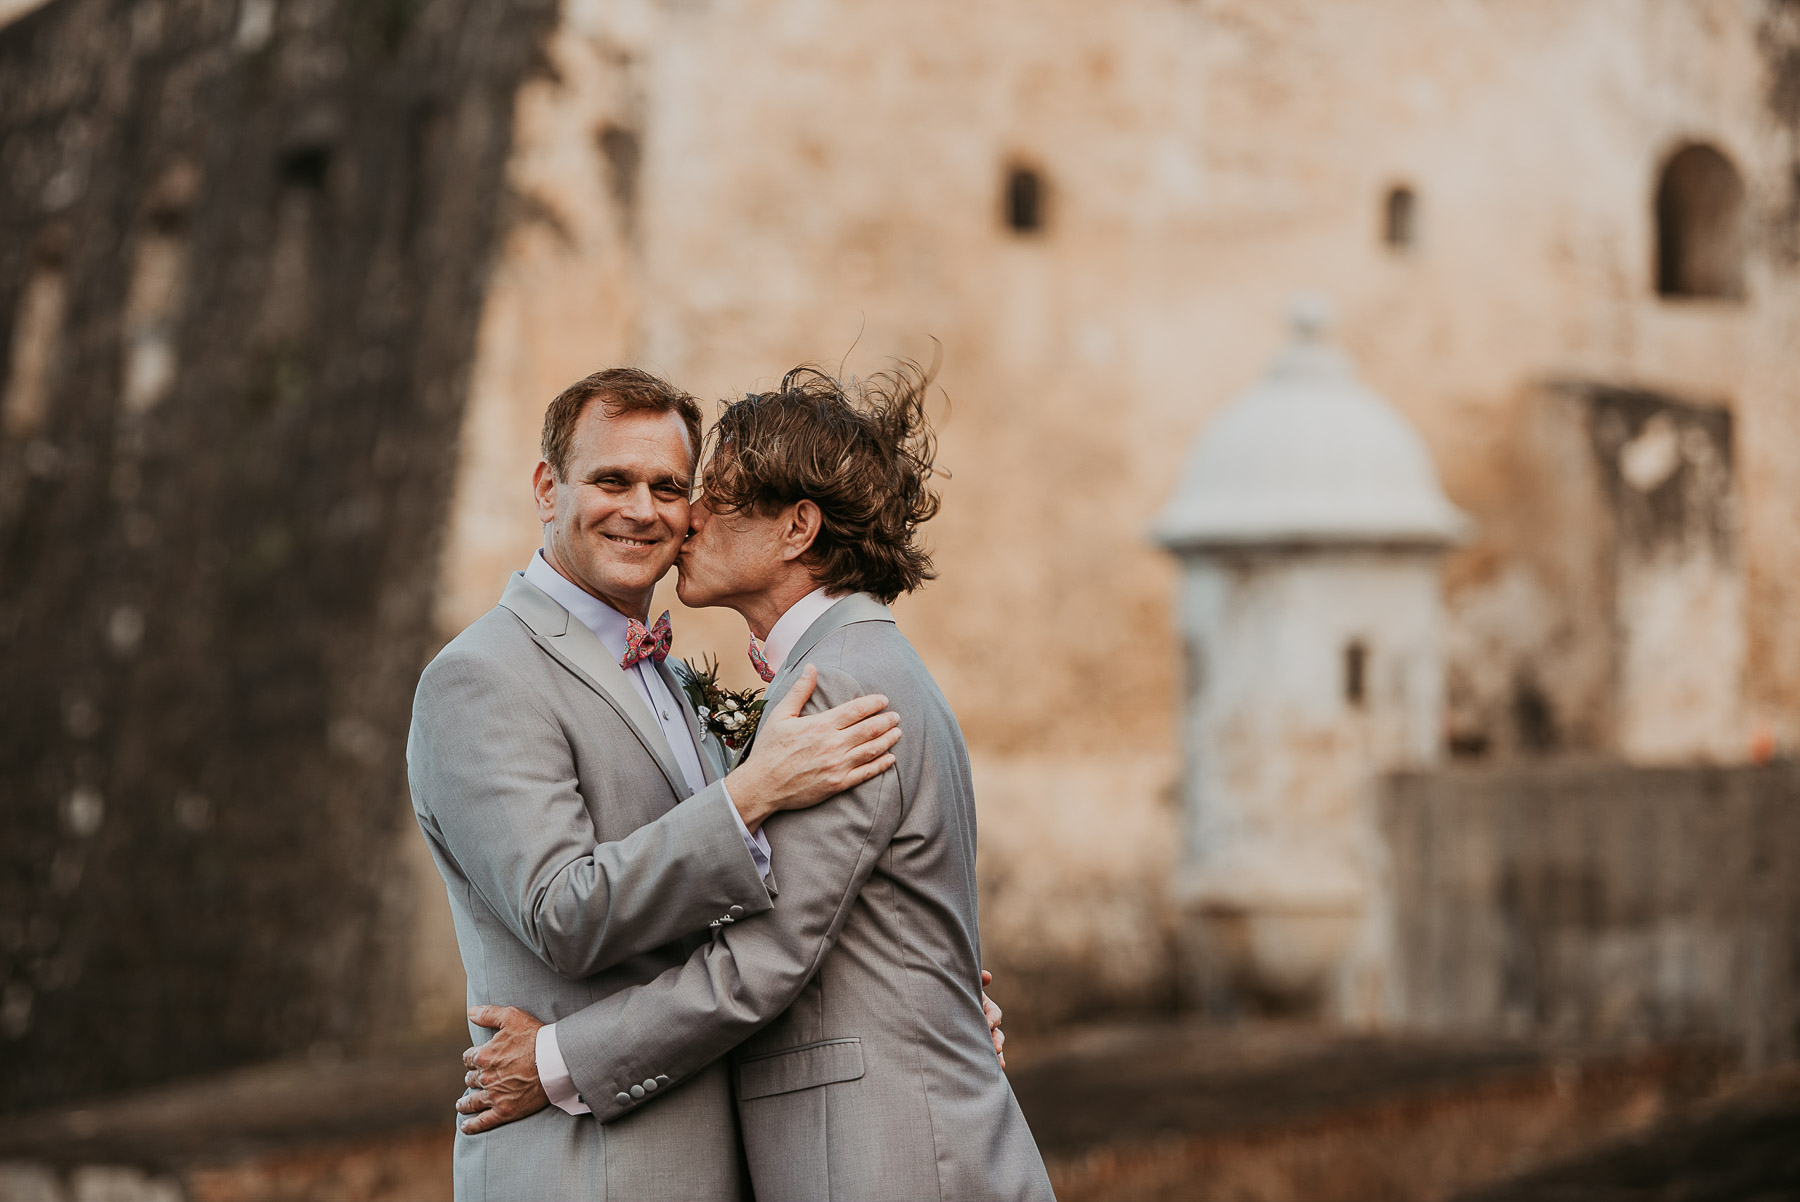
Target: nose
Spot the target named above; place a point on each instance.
(638, 505)
(697, 515)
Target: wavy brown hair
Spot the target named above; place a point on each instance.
(860, 450)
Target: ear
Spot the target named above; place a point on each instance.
(800, 529)
(543, 489)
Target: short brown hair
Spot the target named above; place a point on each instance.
(861, 451)
(619, 390)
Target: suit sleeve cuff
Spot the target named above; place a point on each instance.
(757, 844)
(553, 1073)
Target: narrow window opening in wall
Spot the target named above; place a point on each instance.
(624, 154)
(1400, 218)
(155, 290)
(1700, 226)
(153, 297)
(1356, 671)
(1024, 200)
(301, 218)
(305, 167)
(36, 343)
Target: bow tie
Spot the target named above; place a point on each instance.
(760, 664)
(651, 643)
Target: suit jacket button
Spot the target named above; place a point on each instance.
(623, 1099)
(736, 911)
(649, 1084)
(661, 1080)
(637, 1091)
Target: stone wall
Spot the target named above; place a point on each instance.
(1599, 901)
(1618, 622)
(242, 255)
(718, 191)
(243, 298)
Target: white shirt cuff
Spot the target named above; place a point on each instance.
(553, 1073)
(757, 843)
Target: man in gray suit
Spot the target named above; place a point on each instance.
(852, 1007)
(582, 824)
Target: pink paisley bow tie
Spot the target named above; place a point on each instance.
(760, 664)
(650, 643)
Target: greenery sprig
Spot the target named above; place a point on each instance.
(731, 714)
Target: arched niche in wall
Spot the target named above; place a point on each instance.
(1700, 225)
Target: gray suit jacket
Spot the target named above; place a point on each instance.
(865, 1069)
(549, 797)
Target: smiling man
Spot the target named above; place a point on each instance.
(584, 829)
(851, 1010)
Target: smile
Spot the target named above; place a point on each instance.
(631, 542)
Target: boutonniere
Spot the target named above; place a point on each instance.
(731, 714)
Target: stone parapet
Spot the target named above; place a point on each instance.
(1598, 899)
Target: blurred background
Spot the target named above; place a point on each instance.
(1367, 565)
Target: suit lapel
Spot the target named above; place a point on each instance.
(703, 740)
(574, 647)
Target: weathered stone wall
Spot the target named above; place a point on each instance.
(720, 190)
(241, 261)
(242, 254)
(1599, 901)
(1618, 625)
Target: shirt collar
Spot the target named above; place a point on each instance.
(794, 623)
(607, 624)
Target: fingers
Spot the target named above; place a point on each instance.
(861, 753)
(856, 710)
(469, 1055)
(867, 772)
(473, 1102)
(492, 1017)
(994, 1015)
(797, 697)
(870, 729)
(487, 1120)
(472, 1079)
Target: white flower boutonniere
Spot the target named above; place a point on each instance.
(731, 714)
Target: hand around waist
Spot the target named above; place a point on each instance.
(502, 1076)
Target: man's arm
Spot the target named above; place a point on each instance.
(624, 1048)
(496, 782)
(506, 1079)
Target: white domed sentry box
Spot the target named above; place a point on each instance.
(1311, 530)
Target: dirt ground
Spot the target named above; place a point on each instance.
(1142, 1111)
